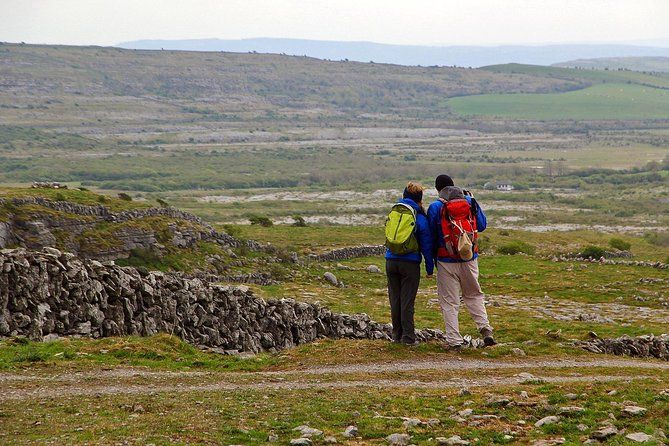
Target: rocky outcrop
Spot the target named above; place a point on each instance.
(648, 346)
(350, 252)
(49, 293)
(75, 227)
(602, 260)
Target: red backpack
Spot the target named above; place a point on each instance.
(458, 226)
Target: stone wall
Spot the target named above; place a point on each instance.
(350, 252)
(648, 346)
(49, 293)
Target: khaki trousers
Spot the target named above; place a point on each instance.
(452, 278)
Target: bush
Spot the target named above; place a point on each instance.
(162, 203)
(299, 221)
(262, 221)
(593, 252)
(125, 197)
(658, 238)
(102, 199)
(619, 244)
(232, 231)
(60, 197)
(516, 247)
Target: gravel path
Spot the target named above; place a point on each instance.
(96, 382)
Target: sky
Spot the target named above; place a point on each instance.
(421, 22)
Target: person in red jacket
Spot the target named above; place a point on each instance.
(456, 275)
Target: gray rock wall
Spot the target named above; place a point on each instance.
(648, 346)
(52, 293)
(350, 252)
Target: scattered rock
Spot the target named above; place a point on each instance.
(551, 419)
(411, 422)
(330, 440)
(497, 401)
(308, 432)
(331, 278)
(633, 411)
(518, 351)
(604, 432)
(300, 442)
(373, 269)
(398, 439)
(464, 392)
(455, 440)
(350, 432)
(639, 437)
(569, 410)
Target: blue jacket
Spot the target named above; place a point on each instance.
(434, 219)
(424, 237)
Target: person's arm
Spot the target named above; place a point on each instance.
(481, 220)
(425, 241)
(433, 223)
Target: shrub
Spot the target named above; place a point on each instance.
(162, 203)
(516, 247)
(232, 231)
(593, 252)
(262, 221)
(60, 197)
(125, 197)
(657, 238)
(619, 244)
(299, 221)
(102, 199)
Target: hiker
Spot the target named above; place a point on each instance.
(407, 237)
(455, 220)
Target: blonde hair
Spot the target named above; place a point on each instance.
(415, 188)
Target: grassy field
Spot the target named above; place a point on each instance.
(607, 101)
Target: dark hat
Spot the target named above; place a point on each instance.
(416, 197)
(442, 181)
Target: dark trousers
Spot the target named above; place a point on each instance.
(403, 281)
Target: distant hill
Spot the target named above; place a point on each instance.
(221, 85)
(653, 64)
(462, 56)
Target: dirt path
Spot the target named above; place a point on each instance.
(133, 381)
(93, 390)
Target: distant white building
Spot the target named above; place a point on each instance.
(499, 186)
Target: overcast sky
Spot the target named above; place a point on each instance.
(430, 22)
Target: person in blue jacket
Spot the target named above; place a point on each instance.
(457, 279)
(403, 271)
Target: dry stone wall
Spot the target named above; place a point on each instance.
(50, 293)
(350, 252)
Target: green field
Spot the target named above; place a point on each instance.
(607, 101)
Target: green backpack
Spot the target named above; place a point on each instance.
(400, 230)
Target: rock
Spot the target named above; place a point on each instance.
(551, 419)
(582, 427)
(518, 351)
(524, 394)
(455, 440)
(373, 269)
(350, 432)
(464, 392)
(411, 422)
(639, 437)
(571, 396)
(398, 439)
(497, 401)
(569, 410)
(331, 278)
(272, 438)
(300, 442)
(465, 412)
(633, 411)
(604, 432)
(308, 432)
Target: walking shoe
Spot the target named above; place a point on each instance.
(488, 340)
(411, 343)
(455, 348)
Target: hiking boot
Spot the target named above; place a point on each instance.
(488, 340)
(455, 348)
(411, 343)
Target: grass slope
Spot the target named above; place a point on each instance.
(653, 64)
(606, 102)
